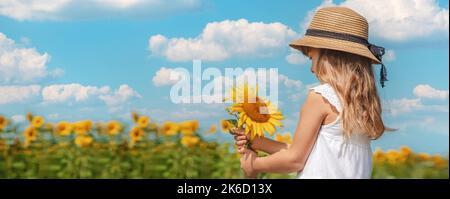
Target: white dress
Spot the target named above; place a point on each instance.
(333, 156)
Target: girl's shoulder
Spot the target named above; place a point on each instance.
(327, 92)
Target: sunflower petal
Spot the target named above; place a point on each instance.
(260, 130)
(247, 129)
(255, 129)
(275, 122)
(241, 121)
(277, 117)
(270, 129)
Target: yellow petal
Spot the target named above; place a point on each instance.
(247, 129)
(260, 131)
(241, 119)
(252, 136)
(237, 109)
(244, 117)
(248, 121)
(275, 122)
(270, 129)
(254, 130)
(277, 117)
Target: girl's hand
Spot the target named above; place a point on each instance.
(240, 139)
(247, 160)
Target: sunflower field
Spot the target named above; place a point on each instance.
(145, 149)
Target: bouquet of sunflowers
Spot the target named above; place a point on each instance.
(251, 112)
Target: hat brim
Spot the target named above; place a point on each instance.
(334, 44)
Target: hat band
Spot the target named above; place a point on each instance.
(336, 35)
(377, 51)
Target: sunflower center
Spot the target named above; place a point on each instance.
(252, 110)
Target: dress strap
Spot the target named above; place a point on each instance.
(328, 93)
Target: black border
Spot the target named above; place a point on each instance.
(279, 187)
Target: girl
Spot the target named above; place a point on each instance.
(341, 116)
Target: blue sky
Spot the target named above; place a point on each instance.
(72, 61)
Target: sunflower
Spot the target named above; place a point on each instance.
(37, 121)
(64, 128)
(153, 126)
(226, 126)
(143, 121)
(379, 156)
(169, 128)
(83, 140)
(258, 115)
(113, 127)
(29, 116)
(134, 116)
(438, 161)
(188, 127)
(136, 134)
(3, 122)
(82, 127)
(212, 129)
(30, 134)
(190, 140)
(79, 129)
(286, 138)
(423, 156)
(405, 151)
(48, 126)
(393, 157)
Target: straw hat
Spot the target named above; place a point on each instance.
(342, 29)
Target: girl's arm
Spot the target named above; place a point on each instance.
(293, 158)
(259, 143)
(268, 145)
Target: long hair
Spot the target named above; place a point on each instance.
(351, 76)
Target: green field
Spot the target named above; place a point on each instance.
(86, 149)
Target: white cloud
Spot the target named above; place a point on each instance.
(400, 20)
(29, 9)
(426, 91)
(222, 40)
(14, 94)
(162, 77)
(296, 57)
(114, 100)
(65, 92)
(404, 105)
(71, 9)
(289, 83)
(20, 64)
(120, 96)
(57, 72)
(389, 55)
(18, 118)
(421, 91)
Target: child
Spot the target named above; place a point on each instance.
(341, 116)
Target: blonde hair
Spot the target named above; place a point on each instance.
(351, 76)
